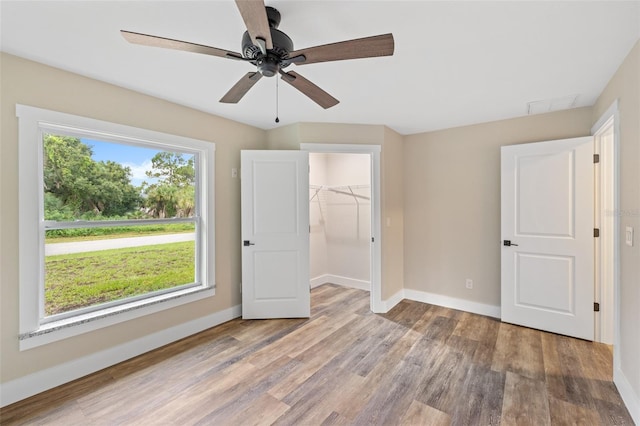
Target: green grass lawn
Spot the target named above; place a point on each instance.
(78, 280)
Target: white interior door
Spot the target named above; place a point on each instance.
(548, 216)
(275, 234)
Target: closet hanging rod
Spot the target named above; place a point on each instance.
(351, 194)
(342, 187)
(315, 194)
(339, 190)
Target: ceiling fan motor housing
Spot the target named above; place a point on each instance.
(270, 63)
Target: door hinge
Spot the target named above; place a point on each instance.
(596, 232)
(596, 158)
(596, 307)
(372, 239)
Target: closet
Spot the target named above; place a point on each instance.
(340, 219)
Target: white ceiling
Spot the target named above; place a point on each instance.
(455, 63)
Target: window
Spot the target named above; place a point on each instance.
(116, 222)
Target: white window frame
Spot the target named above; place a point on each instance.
(35, 330)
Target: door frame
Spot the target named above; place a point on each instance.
(375, 295)
(607, 260)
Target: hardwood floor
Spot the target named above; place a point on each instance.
(417, 365)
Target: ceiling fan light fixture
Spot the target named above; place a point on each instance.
(268, 65)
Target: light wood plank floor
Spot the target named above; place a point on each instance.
(417, 365)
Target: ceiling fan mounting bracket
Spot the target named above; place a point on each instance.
(273, 16)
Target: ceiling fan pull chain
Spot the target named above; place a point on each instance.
(277, 119)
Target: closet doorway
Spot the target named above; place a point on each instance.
(344, 215)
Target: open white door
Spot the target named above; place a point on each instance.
(275, 234)
(547, 232)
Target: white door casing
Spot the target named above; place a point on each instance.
(275, 234)
(605, 263)
(547, 279)
(375, 299)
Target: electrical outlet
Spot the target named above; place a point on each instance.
(234, 173)
(469, 283)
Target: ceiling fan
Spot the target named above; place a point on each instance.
(271, 50)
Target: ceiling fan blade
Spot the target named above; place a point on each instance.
(167, 43)
(241, 88)
(367, 47)
(255, 18)
(315, 93)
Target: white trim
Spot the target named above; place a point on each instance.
(32, 330)
(376, 303)
(452, 303)
(40, 381)
(81, 324)
(613, 112)
(319, 280)
(342, 281)
(441, 300)
(629, 397)
(606, 221)
(388, 304)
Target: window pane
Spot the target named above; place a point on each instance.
(88, 179)
(91, 179)
(85, 267)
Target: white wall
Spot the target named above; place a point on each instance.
(340, 227)
(317, 238)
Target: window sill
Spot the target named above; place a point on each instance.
(69, 327)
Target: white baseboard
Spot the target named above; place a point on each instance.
(388, 304)
(40, 381)
(339, 280)
(630, 398)
(452, 302)
(319, 280)
(440, 300)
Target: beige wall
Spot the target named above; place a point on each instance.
(625, 87)
(393, 195)
(29, 83)
(285, 137)
(452, 201)
(292, 135)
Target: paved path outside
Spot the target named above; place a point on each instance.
(83, 246)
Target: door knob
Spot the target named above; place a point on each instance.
(248, 243)
(508, 243)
